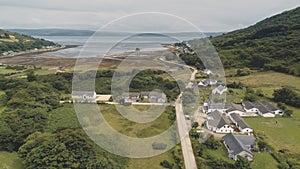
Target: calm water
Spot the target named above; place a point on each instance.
(100, 46)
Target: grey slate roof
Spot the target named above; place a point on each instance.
(269, 106)
(232, 106)
(239, 120)
(217, 120)
(246, 140)
(263, 106)
(238, 144)
(249, 105)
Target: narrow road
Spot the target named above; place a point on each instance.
(183, 129)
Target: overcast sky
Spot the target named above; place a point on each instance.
(208, 15)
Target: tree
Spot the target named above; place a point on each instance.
(211, 143)
(195, 124)
(288, 113)
(259, 93)
(194, 134)
(262, 146)
(242, 163)
(166, 164)
(31, 76)
(250, 97)
(65, 149)
(287, 96)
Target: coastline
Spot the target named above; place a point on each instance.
(40, 51)
(40, 58)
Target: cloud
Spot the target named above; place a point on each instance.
(208, 15)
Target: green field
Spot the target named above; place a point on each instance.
(45, 70)
(10, 161)
(268, 81)
(65, 117)
(263, 161)
(3, 70)
(130, 128)
(62, 117)
(235, 95)
(281, 135)
(152, 162)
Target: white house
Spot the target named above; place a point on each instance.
(206, 82)
(239, 145)
(88, 96)
(154, 96)
(219, 90)
(131, 96)
(218, 123)
(250, 107)
(243, 126)
(272, 108)
(236, 108)
(263, 108)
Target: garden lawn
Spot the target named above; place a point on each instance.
(263, 161)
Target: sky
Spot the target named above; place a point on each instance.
(207, 15)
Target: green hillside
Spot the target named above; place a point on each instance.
(272, 44)
(15, 42)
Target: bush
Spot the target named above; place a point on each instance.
(166, 164)
(287, 96)
(211, 143)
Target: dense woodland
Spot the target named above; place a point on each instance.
(272, 44)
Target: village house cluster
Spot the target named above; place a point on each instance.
(153, 96)
(129, 97)
(228, 118)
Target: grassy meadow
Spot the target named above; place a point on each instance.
(10, 161)
(281, 135)
(65, 117)
(268, 81)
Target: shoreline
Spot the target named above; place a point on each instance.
(39, 51)
(40, 58)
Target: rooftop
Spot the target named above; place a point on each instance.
(239, 120)
(238, 143)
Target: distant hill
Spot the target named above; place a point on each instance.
(53, 32)
(74, 32)
(10, 41)
(273, 43)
